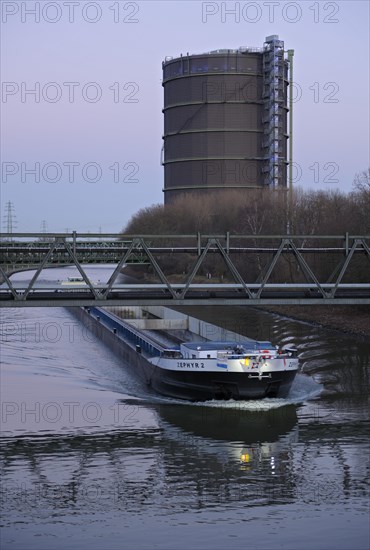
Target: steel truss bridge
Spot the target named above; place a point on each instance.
(269, 284)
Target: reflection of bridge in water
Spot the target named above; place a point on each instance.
(269, 286)
(195, 458)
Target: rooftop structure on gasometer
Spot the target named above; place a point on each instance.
(226, 120)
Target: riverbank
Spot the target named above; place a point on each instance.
(348, 319)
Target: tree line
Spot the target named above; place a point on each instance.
(263, 212)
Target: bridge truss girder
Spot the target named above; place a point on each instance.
(263, 291)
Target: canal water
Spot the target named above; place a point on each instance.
(91, 460)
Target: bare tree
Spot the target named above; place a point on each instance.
(361, 198)
(362, 182)
(258, 212)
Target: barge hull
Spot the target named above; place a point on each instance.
(187, 385)
(226, 385)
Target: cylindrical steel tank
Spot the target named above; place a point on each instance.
(218, 121)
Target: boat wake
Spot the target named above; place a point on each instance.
(303, 389)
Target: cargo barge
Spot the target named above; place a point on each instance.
(199, 370)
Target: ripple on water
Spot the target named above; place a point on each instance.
(130, 467)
